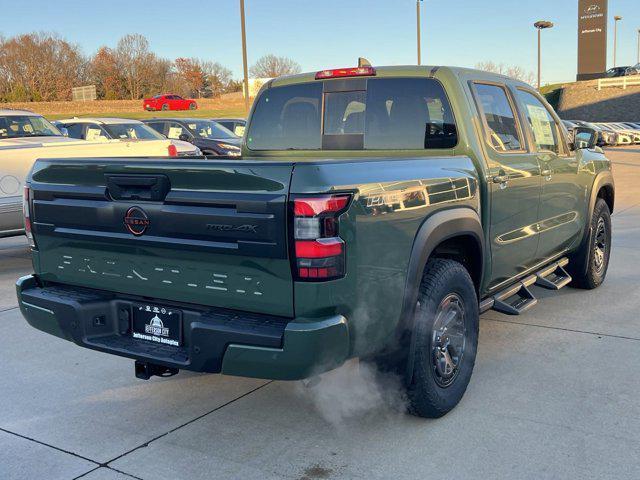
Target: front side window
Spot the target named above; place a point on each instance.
(503, 132)
(543, 125)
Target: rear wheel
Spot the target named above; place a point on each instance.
(446, 339)
(165, 106)
(596, 252)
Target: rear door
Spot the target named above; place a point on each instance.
(200, 232)
(563, 196)
(514, 183)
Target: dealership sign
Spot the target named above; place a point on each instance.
(592, 38)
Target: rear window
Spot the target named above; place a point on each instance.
(398, 114)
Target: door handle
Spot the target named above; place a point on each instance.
(502, 178)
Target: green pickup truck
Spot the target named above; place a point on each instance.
(375, 213)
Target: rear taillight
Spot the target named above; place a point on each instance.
(319, 252)
(26, 211)
(173, 151)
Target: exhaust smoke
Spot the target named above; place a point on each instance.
(355, 390)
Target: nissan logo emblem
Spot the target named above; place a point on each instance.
(136, 221)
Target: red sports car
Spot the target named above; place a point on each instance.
(169, 102)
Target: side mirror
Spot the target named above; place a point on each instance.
(584, 137)
(184, 137)
(64, 131)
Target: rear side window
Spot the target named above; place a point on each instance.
(503, 132)
(398, 113)
(76, 130)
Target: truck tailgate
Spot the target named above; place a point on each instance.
(203, 232)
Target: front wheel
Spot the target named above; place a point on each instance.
(595, 252)
(192, 106)
(165, 107)
(446, 339)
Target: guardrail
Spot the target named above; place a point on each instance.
(623, 82)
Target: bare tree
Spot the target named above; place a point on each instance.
(136, 63)
(218, 78)
(270, 66)
(39, 67)
(190, 73)
(515, 71)
(104, 73)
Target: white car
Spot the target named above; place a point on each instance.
(620, 128)
(624, 138)
(26, 136)
(125, 129)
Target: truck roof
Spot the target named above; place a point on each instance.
(397, 71)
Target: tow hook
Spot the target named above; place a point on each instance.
(145, 370)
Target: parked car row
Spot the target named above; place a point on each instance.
(26, 136)
(104, 129)
(191, 136)
(610, 133)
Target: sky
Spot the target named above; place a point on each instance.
(333, 33)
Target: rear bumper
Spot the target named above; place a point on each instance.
(216, 341)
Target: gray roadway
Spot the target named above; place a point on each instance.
(555, 394)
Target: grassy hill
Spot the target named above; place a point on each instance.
(231, 105)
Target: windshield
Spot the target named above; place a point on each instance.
(17, 126)
(209, 129)
(132, 131)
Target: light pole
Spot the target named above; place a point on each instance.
(639, 46)
(541, 25)
(418, 27)
(617, 18)
(244, 58)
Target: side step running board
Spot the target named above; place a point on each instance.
(518, 298)
(554, 277)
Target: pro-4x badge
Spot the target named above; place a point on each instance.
(136, 221)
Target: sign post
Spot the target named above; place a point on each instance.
(592, 39)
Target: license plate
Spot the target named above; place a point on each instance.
(156, 323)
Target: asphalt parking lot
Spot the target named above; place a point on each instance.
(555, 394)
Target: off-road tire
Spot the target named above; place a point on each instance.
(595, 252)
(443, 279)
